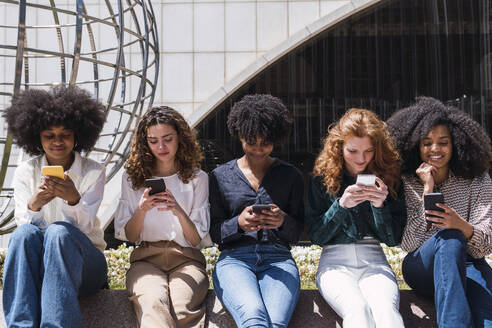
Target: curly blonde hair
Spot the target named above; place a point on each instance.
(358, 123)
(141, 162)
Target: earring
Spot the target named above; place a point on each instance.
(76, 144)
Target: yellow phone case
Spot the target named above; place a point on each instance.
(54, 171)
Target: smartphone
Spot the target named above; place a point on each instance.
(430, 201)
(366, 179)
(53, 171)
(157, 185)
(257, 208)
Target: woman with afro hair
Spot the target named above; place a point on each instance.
(56, 252)
(257, 210)
(350, 219)
(444, 150)
(167, 282)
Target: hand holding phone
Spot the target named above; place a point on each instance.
(366, 179)
(158, 185)
(258, 208)
(430, 201)
(53, 171)
(51, 188)
(272, 217)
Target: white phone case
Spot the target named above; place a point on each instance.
(366, 179)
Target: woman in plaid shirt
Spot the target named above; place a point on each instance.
(443, 150)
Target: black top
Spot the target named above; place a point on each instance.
(231, 192)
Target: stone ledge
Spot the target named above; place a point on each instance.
(111, 308)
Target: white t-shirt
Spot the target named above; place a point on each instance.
(164, 225)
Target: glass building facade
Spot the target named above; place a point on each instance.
(379, 59)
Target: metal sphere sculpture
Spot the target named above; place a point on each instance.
(108, 47)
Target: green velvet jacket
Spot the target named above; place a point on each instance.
(329, 223)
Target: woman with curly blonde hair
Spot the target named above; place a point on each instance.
(167, 281)
(349, 219)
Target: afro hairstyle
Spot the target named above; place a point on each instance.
(35, 110)
(260, 115)
(471, 154)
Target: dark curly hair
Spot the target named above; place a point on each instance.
(260, 115)
(35, 110)
(471, 153)
(140, 163)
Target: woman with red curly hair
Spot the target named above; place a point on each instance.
(167, 281)
(349, 220)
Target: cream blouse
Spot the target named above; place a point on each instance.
(164, 225)
(88, 177)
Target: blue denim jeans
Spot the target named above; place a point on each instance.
(258, 284)
(45, 272)
(461, 285)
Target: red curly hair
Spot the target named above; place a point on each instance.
(358, 123)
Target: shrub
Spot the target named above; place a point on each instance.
(306, 257)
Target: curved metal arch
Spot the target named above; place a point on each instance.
(78, 44)
(60, 43)
(93, 54)
(276, 53)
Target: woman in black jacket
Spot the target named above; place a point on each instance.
(256, 277)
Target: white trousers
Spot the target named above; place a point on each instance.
(359, 284)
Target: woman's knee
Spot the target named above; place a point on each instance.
(59, 238)
(59, 231)
(453, 242)
(451, 234)
(26, 234)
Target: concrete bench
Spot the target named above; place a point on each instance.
(111, 308)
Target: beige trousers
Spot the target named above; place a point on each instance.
(167, 284)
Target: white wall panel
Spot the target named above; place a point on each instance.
(209, 74)
(209, 27)
(272, 24)
(240, 26)
(301, 13)
(177, 77)
(177, 28)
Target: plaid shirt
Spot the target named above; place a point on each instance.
(470, 198)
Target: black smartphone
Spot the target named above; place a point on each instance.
(157, 185)
(257, 208)
(430, 201)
